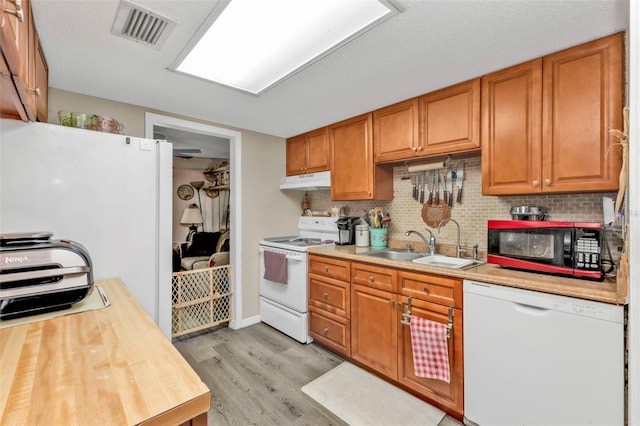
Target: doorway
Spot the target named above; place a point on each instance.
(208, 140)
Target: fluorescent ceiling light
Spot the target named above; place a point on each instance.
(255, 44)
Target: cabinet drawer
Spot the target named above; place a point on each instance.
(374, 276)
(329, 294)
(431, 288)
(330, 267)
(330, 330)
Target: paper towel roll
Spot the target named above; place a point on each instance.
(425, 167)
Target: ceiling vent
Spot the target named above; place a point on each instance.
(142, 25)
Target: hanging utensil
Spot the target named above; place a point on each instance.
(414, 191)
(436, 197)
(450, 189)
(430, 183)
(460, 176)
(422, 188)
(444, 187)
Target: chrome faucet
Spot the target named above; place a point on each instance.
(431, 243)
(458, 248)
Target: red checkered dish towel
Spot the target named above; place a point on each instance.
(430, 349)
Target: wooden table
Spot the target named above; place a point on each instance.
(111, 366)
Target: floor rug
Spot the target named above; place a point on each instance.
(360, 398)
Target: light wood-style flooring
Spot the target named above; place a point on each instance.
(255, 375)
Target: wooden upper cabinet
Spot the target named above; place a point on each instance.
(546, 122)
(25, 62)
(395, 131)
(581, 102)
(309, 152)
(41, 82)
(450, 119)
(512, 130)
(353, 173)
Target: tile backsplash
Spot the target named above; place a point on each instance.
(474, 211)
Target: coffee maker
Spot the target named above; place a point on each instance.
(347, 230)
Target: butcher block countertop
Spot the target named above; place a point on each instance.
(111, 366)
(607, 291)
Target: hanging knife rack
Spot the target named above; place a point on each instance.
(451, 177)
(406, 318)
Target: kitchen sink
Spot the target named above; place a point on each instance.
(396, 254)
(447, 261)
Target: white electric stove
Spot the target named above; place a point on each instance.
(284, 306)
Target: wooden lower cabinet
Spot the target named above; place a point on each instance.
(330, 330)
(374, 330)
(330, 303)
(361, 320)
(448, 396)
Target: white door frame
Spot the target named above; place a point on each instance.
(235, 201)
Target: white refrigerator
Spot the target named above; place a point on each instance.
(110, 193)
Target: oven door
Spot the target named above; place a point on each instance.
(293, 294)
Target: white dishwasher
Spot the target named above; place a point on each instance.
(533, 358)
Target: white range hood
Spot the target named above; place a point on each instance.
(308, 182)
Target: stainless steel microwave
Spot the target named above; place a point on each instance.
(562, 248)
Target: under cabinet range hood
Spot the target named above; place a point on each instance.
(308, 182)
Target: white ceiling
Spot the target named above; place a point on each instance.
(430, 45)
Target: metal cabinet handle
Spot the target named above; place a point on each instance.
(547, 182)
(15, 12)
(325, 294)
(420, 148)
(391, 303)
(414, 148)
(36, 91)
(326, 269)
(372, 278)
(325, 331)
(535, 183)
(426, 290)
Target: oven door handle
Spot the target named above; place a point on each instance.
(298, 258)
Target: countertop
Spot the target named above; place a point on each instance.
(607, 291)
(110, 366)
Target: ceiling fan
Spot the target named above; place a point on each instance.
(184, 152)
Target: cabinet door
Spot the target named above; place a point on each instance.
(330, 295)
(447, 395)
(330, 330)
(395, 132)
(18, 53)
(353, 174)
(318, 150)
(450, 119)
(582, 101)
(296, 155)
(10, 103)
(41, 83)
(374, 276)
(374, 330)
(511, 130)
(445, 291)
(330, 267)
